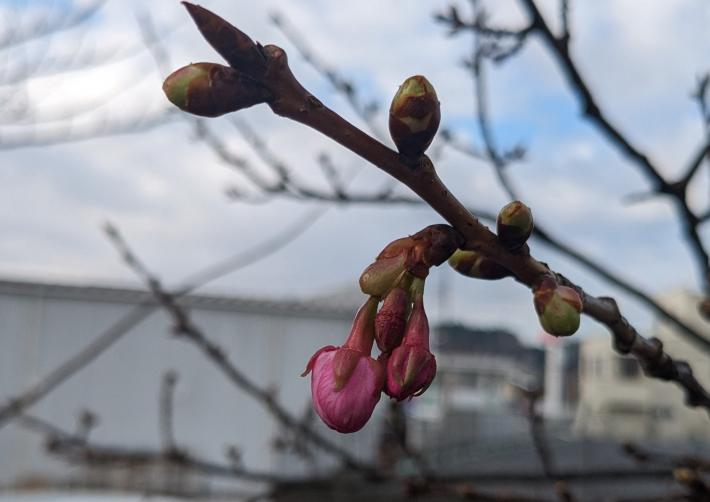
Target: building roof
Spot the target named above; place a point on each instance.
(459, 338)
(311, 307)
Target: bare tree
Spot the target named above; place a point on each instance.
(262, 76)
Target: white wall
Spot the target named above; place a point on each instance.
(38, 332)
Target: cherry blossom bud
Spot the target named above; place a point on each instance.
(211, 90)
(514, 225)
(346, 382)
(232, 44)
(392, 319)
(473, 264)
(414, 116)
(558, 308)
(411, 367)
(379, 277)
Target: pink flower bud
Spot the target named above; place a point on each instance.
(391, 320)
(411, 367)
(346, 382)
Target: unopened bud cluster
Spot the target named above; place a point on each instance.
(347, 381)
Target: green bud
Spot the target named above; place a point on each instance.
(473, 264)
(211, 90)
(382, 275)
(558, 308)
(514, 225)
(414, 116)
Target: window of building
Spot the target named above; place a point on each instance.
(628, 368)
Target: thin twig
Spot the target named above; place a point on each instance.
(184, 326)
(594, 113)
(137, 314)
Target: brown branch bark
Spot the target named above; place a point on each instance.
(593, 112)
(292, 101)
(289, 186)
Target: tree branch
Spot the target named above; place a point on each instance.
(30, 396)
(184, 326)
(593, 112)
(292, 101)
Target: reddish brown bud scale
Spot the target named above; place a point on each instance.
(514, 224)
(436, 244)
(473, 264)
(211, 90)
(232, 44)
(414, 116)
(415, 254)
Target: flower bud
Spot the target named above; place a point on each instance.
(514, 225)
(390, 321)
(411, 367)
(414, 116)
(346, 382)
(232, 44)
(558, 308)
(379, 277)
(473, 264)
(211, 90)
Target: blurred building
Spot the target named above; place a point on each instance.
(561, 379)
(474, 394)
(42, 325)
(618, 401)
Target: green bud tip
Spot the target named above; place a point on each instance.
(177, 85)
(514, 224)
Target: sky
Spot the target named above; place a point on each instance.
(166, 191)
